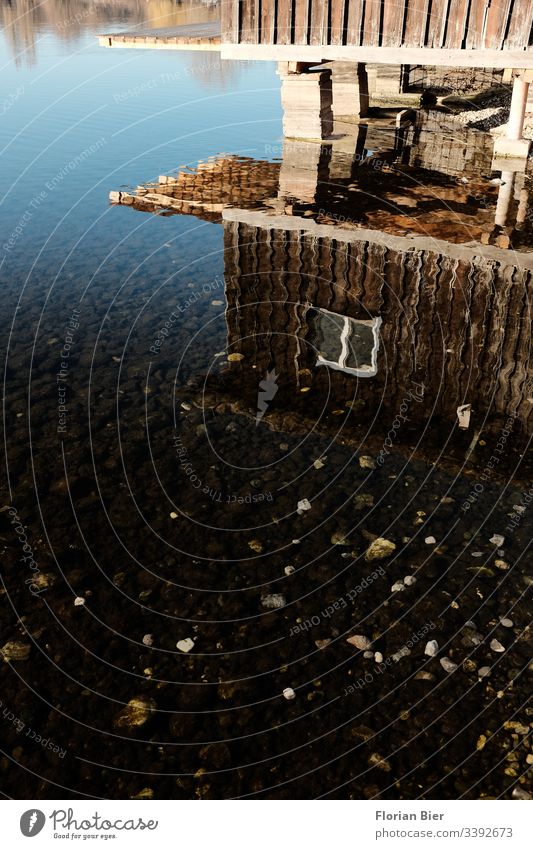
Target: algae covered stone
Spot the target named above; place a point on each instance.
(339, 538)
(136, 713)
(379, 549)
(15, 650)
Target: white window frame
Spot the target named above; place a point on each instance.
(338, 365)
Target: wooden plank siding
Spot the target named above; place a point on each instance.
(392, 24)
(337, 34)
(519, 24)
(497, 18)
(354, 23)
(230, 21)
(301, 21)
(452, 24)
(456, 26)
(284, 22)
(268, 23)
(319, 22)
(372, 24)
(250, 31)
(475, 31)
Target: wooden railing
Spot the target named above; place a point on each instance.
(452, 24)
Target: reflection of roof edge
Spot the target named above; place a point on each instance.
(466, 251)
(361, 439)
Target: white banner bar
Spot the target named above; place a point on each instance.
(268, 824)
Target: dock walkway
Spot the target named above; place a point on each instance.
(202, 36)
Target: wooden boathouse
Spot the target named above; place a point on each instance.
(300, 34)
(388, 25)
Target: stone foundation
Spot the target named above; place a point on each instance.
(306, 98)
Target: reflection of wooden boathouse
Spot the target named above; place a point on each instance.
(208, 189)
(458, 323)
(453, 317)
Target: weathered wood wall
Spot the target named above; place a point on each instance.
(452, 24)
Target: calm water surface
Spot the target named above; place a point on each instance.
(232, 442)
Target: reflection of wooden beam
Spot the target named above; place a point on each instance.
(517, 112)
(225, 402)
(465, 252)
(505, 193)
(381, 55)
(160, 201)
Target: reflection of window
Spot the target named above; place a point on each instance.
(347, 344)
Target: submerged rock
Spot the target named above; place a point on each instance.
(360, 502)
(379, 549)
(379, 762)
(448, 665)
(273, 601)
(339, 538)
(43, 580)
(359, 641)
(402, 652)
(520, 793)
(185, 645)
(497, 540)
(15, 650)
(145, 793)
(431, 648)
(422, 675)
(289, 694)
(136, 713)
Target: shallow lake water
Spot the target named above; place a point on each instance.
(232, 440)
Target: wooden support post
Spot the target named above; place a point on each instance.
(364, 99)
(515, 127)
(505, 193)
(350, 90)
(306, 98)
(513, 145)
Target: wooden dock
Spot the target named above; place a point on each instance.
(204, 36)
(465, 33)
(454, 33)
